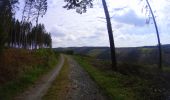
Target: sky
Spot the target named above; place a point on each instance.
(128, 18)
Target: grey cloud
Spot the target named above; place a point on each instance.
(118, 26)
(119, 9)
(168, 24)
(130, 18)
(57, 33)
(90, 37)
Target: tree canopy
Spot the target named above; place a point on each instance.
(79, 5)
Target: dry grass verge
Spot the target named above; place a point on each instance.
(60, 86)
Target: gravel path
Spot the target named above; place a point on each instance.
(82, 86)
(39, 89)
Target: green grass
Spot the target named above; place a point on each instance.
(28, 77)
(109, 82)
(146, 50)
(60, 86)
(95, 52)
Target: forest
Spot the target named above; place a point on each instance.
(23, 34)
(33, 66)
(25, 52)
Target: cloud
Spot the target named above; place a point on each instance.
(90, 29)
(134, 40)
(130, 18)
(119, 9)
(57, 32)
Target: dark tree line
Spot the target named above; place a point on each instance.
(27, 37)
(22, 34)
(6, 13)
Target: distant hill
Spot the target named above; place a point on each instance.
(141, 55)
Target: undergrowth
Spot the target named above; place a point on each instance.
(21, 68)
(130, 82)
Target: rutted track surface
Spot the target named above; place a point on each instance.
(40, 87)
(82, 86)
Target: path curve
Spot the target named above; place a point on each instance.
(40, 88)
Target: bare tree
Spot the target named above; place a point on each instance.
(41, 8)
(81, 7)
(110, 33)
(30, 8)
(157, 33)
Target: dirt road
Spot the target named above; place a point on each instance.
(39, 89)
(82, 86)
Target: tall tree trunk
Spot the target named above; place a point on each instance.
(29, 12)
(21, 37)
(36, 44)
(110, 33)
(157, 33)
(37, 18)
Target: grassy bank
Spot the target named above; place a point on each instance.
(131, 83)
(21, 68)
(60, 86)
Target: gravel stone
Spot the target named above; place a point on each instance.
(83, 87)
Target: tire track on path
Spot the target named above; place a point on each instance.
(41, 86)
